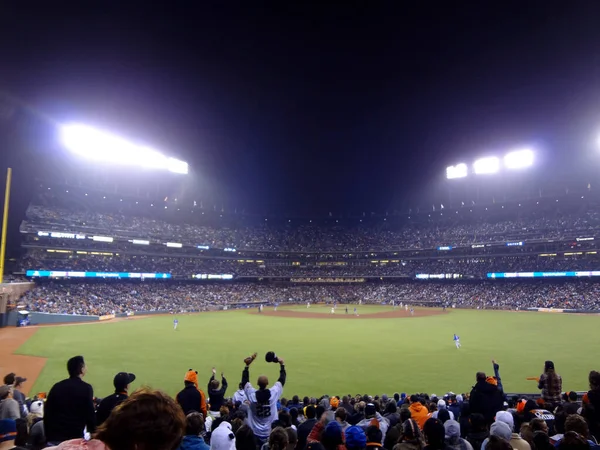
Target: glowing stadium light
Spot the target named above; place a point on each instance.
(174, 244)
(458, 171)
(519, 159)
(485, 166)
(101, 146)
(102, 239)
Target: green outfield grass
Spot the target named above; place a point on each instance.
(328, 356)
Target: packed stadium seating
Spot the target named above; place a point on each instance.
(100, 298)
(484, 418)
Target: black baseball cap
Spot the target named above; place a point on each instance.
(122, 379)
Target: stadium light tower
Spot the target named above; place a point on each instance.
(519, 159)
(457, 171)
(486, 166)
(98, 145)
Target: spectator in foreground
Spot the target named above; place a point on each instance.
(332, 436)
(222, 437)
(121, 383)
(435, 435)
(418, 412)
(244, 438)
(190, 398)
(486, 398)
(374, 437)
(573, 441)
(371, 414)
(8, 434)
(263, 401)
(9, 407)
(216, 393)
(551, 384)
(591, 405)
(16, 382)
(453, 439)
(149, 420)
(35, 424)
(577, 424)
(411, 437)
(306, 427)
(478, 432)
(497, 443)
(194, 426)
(355, 438)
(69, 408)
(516, 441)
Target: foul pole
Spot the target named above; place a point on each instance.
(5, 223)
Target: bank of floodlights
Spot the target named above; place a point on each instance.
(98, 145)
(518, 159)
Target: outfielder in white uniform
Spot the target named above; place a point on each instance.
(263, 401)
(332, 310)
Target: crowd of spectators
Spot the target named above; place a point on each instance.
(114, 297)
(312, 237)
(261, 418)
(187, 266)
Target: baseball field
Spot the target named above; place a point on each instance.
(381, 351)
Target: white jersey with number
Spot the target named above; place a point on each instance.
(260, 417)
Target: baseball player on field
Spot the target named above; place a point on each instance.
(456, 339)
(175, 323)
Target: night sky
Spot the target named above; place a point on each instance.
(310, 107)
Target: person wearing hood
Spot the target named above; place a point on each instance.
(190, 398)
(35, 425)
(239, 395)
(391, 414)
(216, 393)
(453, 439)
(516, 441)
(194, 427)
(551, 384)
(485, 397)
(418, 412)
(371, 415)
(478, 432)
(332, 437)
(222, 438)
(356, 438)
(591, 405)
(374, 437)
(441, 405)
(454, 406)
(411, 437)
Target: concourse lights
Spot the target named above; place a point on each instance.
(457, 171)
(518, 159)
(101, 146)
(486, 165)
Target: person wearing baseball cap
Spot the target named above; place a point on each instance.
(121, 382)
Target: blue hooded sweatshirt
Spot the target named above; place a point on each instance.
(193, 443)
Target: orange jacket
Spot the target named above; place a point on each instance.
(419, 413)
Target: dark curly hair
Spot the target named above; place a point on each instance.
(147, 420)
